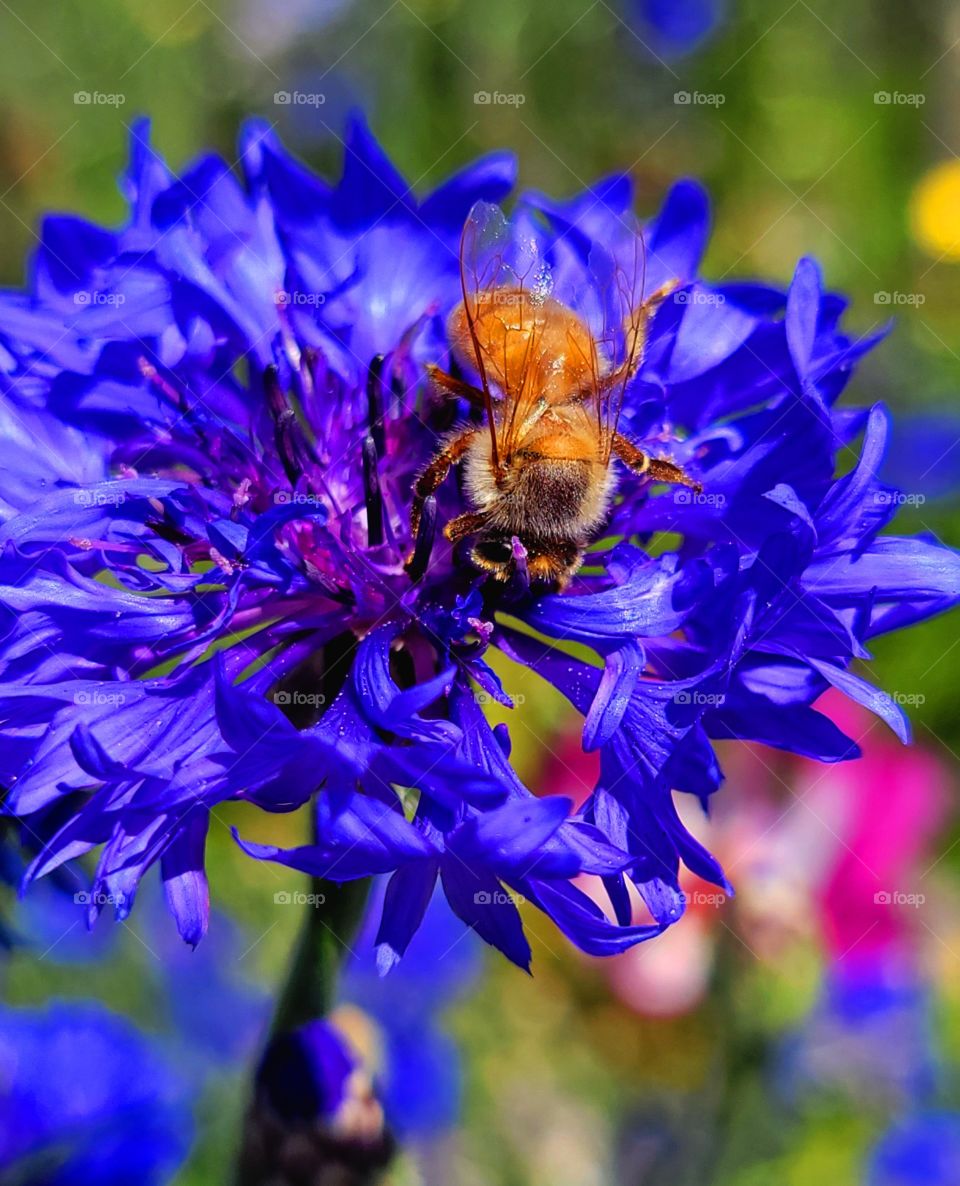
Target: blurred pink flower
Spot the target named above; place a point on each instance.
(891, 805)
(837, 854)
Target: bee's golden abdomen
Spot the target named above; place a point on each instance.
(541, 344)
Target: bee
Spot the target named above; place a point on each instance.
(540, 469)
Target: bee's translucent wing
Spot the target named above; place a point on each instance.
(501, 327)
(618, 274)
(488, 256)
(483, 246)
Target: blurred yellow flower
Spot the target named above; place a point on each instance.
(935, 211)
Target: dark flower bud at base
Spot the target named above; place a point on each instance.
(315, 1119)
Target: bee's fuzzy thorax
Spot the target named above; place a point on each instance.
(548, 497)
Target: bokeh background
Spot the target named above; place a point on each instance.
(807, 1031)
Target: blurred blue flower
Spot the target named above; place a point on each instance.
(341, 1089)
(85, 1097)
(215, 604)
(216, 1016)
(921, 1150)
(304, 1074)
(675, 28)
(315, 1116)
(46, 920)
(923, 462)
(870, 1034)
(419, 1079)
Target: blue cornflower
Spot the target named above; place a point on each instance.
(227, 600)
(86, 1097)
(417, 1066)
(314, 1114)
(380, 1067)
(673, 28)
(870, 1034)
(923, 1148)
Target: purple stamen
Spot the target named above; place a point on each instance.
(398, 392)
(426, 534)
(502, 734)
(372, 494)
(173, 394)
(284, 419)
(521, 573)
(304, 374)
(375, 403)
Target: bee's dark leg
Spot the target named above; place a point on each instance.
(453, 386)
(633, 457)
(464, 525)
(434, 474)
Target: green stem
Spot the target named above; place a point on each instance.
(328, 928)
(309, 993)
